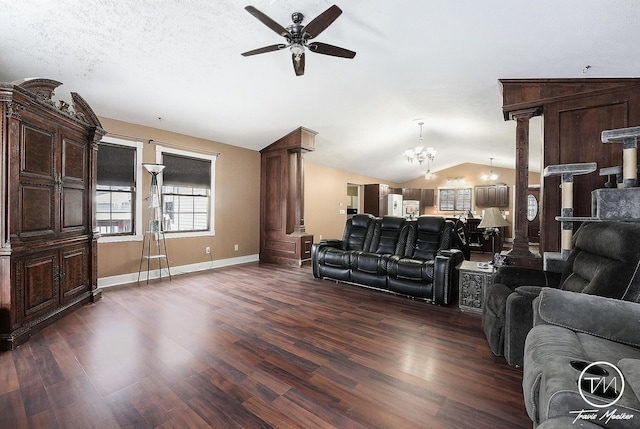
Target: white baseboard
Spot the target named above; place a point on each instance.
(105, 282)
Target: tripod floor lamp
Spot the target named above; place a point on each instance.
(154, 244)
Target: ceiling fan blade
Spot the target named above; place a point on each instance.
(265, 49)
(326, 49)
(268, 21)
(298, 65)
(322, 21)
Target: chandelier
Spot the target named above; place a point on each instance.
(420, 153)
(430, 155)
(491, 175)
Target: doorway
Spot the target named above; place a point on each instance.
(353, 199)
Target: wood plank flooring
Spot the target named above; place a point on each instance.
(259, 346)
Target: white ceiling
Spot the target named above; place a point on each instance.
(438, 61)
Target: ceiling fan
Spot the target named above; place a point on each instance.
(298, 36)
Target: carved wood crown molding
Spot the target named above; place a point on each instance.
(14, 109)
(42, 91)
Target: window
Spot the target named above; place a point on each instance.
(187, 201)
(116, 189)
(454, 199)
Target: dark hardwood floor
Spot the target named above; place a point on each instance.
(258, 346)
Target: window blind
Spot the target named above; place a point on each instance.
(116, 165)
(186, 171)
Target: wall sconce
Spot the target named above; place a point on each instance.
(455, 181)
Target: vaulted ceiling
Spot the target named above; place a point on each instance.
(176, 65)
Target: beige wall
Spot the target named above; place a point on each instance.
(237, 210)
(326, 189)
(237, 205)
(325, 192)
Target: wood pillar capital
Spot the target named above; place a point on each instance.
(525, 113)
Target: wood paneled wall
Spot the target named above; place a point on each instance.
(575, 112)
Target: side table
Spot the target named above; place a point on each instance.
(473, 281)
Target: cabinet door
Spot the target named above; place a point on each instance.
(371, 203)
(492, 196)
(74, 271)
(502, 196)
(481, 196)
(37, 277)
(52, 185)
(35, 211)
(427, 197)
(376, 199)
(410, 194)
(73, 216)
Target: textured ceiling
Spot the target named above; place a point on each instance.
(438, 61)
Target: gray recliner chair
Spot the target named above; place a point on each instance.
(583, 353)
(605, 261)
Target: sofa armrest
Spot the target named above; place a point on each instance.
(333, 242)
(518, 322)
(515, 276)
(608, 318)
(315, 248)
(445, 275)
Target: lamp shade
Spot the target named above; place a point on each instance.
(492, 218)
(153, 168)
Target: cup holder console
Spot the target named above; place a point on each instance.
(580, 365)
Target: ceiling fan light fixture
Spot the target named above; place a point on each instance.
(297, 49)
(298, 35)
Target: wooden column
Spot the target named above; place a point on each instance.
(283, 239)
(520, 253)
(94, 232)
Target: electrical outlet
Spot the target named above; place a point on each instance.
(207, 250)
(235, 247)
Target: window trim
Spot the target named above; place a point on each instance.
(137, 232)
(455, 189)
(212, 201)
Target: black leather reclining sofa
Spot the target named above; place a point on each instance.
(407, 257)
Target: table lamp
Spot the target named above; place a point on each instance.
(492, 219)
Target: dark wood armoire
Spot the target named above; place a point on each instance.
(48, 239)
(283, 239)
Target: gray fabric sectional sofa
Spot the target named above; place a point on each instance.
(582, 361)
